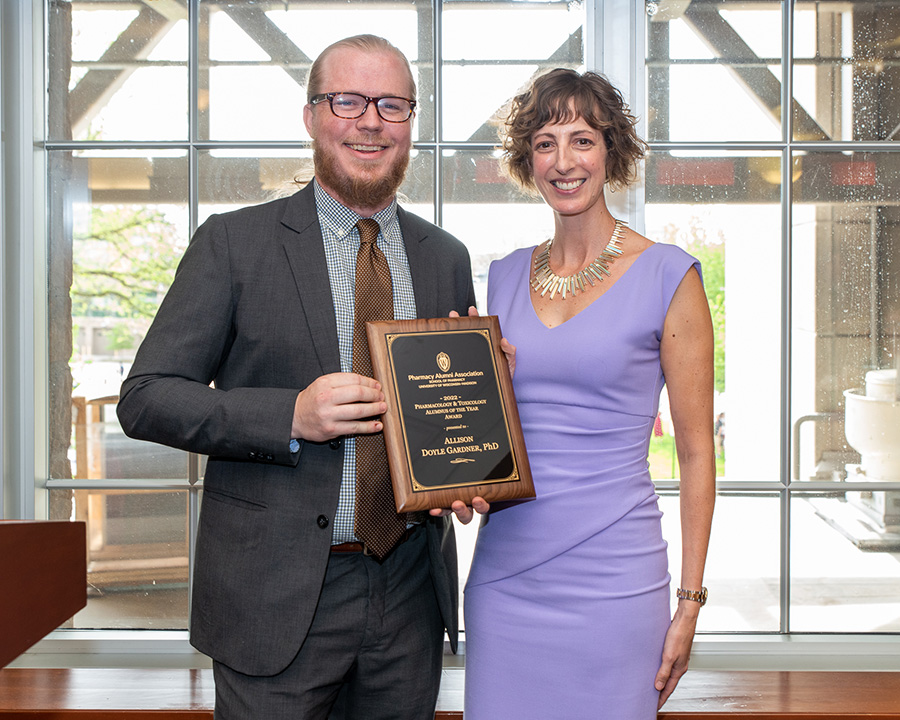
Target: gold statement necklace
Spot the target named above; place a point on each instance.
(545, 280)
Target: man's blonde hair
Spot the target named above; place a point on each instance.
(366, 43)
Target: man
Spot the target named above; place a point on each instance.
(301, 618)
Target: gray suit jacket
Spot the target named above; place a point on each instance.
(251, 309)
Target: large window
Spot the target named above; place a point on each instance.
(163, 113)
(773, 128)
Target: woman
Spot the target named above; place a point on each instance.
(567, 603)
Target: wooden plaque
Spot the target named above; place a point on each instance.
(451, 428)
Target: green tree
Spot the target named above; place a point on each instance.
(711, 254)
(124, 263)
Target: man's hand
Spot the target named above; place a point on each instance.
(464, 513)
(338, 404)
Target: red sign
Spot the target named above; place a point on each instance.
(487, 170)
(691, 171)
(848, 172)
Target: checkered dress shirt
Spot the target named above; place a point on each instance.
(341, 240)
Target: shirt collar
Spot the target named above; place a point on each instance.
(341, 220)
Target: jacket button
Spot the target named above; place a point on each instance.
(322, 521)
(335, 444)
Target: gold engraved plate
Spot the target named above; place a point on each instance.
(452, 428)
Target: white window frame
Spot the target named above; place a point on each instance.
(24, 366)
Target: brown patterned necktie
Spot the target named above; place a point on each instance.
(377, 523)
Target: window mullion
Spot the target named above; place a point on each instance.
(786, 216)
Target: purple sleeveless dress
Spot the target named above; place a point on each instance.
(567, 602)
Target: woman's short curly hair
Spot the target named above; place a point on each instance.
(561, 96)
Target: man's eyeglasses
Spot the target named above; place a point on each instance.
(352, 105)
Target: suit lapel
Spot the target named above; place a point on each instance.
(306, 256)
(305, 252)
(421, 264)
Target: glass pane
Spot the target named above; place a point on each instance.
(724, 210)
(714, 71)
(742, 567)
(118, 224)
(254, 66)
(846, 75)
(231, 179)
(846, 316)
(117, 71)
(487, 213)
(117, 227)
(416, 194)
(845, 573)
(483, 68)
(137, 557)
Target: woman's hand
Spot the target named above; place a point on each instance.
(510, 351)
(505, 345)
(464, 513)
(676, 651)
(473, 312)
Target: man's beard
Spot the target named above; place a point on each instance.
(359, 192)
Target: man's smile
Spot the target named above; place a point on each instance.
(365, 147)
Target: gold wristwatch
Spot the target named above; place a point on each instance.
(695, 595)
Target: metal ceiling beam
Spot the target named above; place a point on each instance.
(569, 54)
(96, 88)
(271, 39)
(718, 34)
